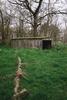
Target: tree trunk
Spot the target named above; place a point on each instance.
(2, 32)
(35, 26)
(2, 28)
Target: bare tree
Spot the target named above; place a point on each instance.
(5, 21)
(27, 5)
(32, 14)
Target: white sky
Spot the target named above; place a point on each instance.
(61, 5)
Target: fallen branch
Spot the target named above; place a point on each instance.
(18, 92)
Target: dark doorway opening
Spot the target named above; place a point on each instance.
(46, 44)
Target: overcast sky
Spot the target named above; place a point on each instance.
(61, 5)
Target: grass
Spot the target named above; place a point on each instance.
(46, 70)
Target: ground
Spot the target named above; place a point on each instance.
(46, 72)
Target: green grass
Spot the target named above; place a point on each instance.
(46, 70)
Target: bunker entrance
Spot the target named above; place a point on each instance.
(46, 44)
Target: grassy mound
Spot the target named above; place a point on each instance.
(46, 70)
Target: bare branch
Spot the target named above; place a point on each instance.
(15, 3)
(29, 8)
(53, 13)
(37, 10)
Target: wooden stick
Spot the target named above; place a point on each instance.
(19, 74)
